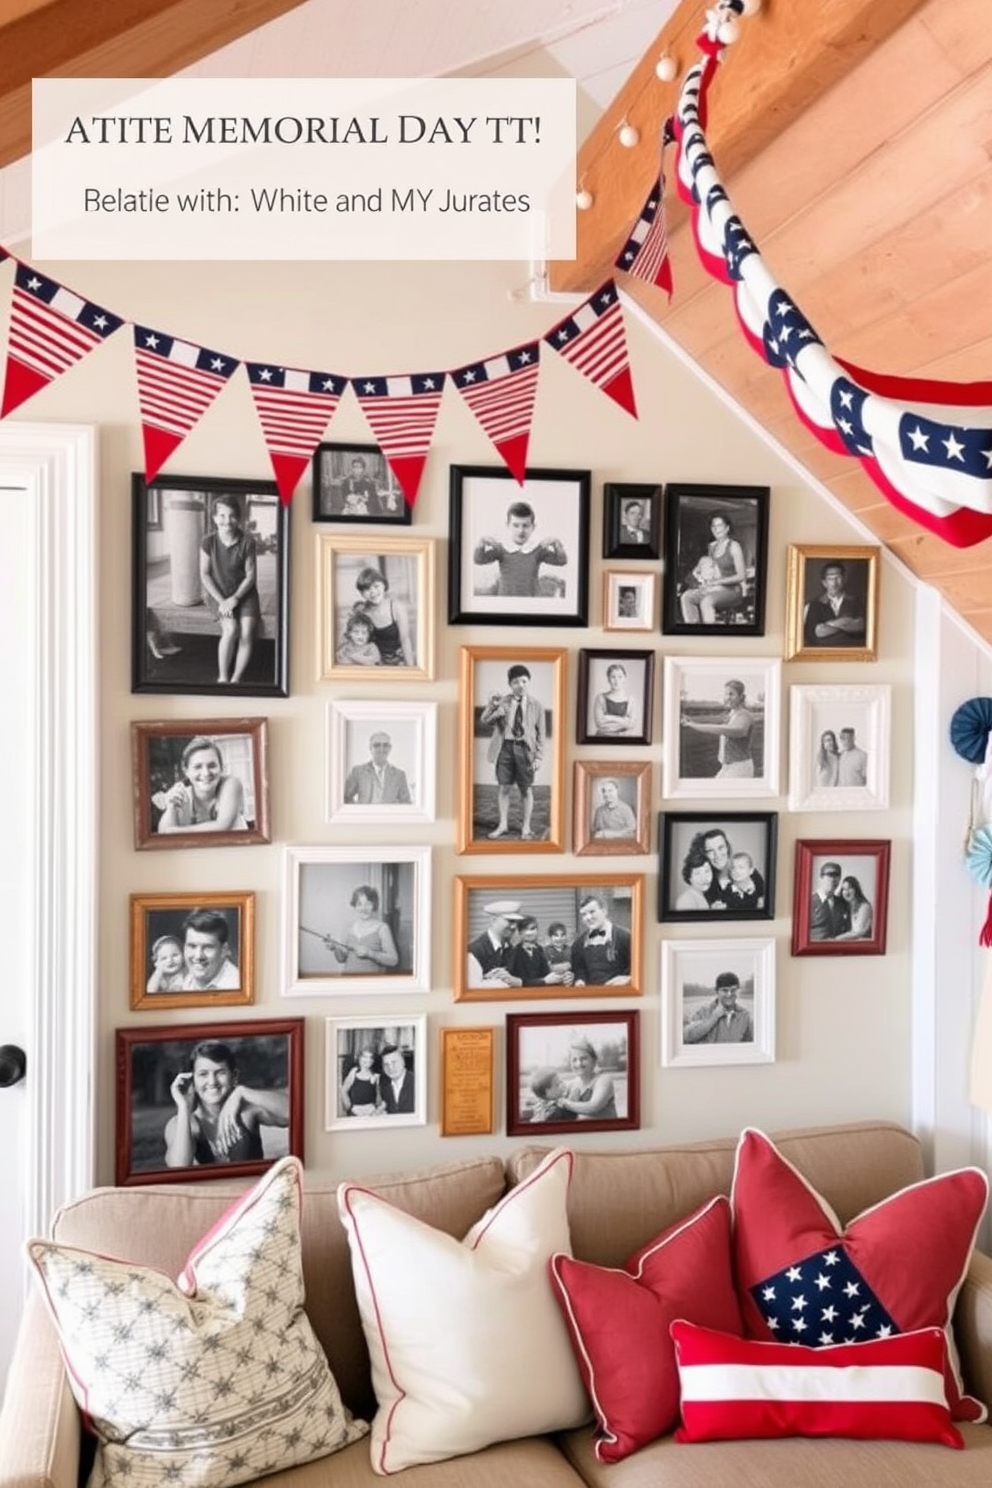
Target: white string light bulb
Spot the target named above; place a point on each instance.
(665, 68)
(583, 198)
(629, 136)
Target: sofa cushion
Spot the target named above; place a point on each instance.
(216, 1379)
(468, 1346)
(891, 1388)
(159, 1223)
(618, 1200)
(804, 1277)
(620, 1319)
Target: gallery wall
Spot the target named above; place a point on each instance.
(843, 1025)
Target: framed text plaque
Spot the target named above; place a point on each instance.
(467, 1081)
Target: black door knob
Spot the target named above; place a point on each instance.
(13, 1063)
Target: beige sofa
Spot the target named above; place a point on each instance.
(617, 1201)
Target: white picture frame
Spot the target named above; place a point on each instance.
(696, 965)
(408, 784)
(695, 705)
(320, 911)
(344, 1039)
(629, 599)
(859, 718)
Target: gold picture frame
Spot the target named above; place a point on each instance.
(832, 602)
(468, 1082)
(215, 934)
(401, 649)
(609, 823)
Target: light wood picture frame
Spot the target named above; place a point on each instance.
(200, 782)
(468, 1081)
(375, 608)
(611, 807)
(192, 950)
(832, 602)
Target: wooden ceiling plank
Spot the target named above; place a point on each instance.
(784, 60)
(112, 38)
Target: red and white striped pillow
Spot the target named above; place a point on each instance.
(887, 1388)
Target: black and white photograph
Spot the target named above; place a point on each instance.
(210, 1100)
(721, 726)
(511, 750)
(192, 951)
(717, 1002)
(717, 866)
(615, 697)
(716, 559)
(210, 603)
(376, 600)
(629, 599)
(200, 783)
(841, 897)
(381, 761)
(572, 1073)
(353, 483)
(357, 919)
(375, 1073)
(548, 936)
(518, 554)
(839, 748)
(832, 603)
(610, 807)
(631, 521)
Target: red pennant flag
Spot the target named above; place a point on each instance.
(645, 253)
(177, 382)
(294, 408)
(50, 329)
(402, 412)
(501, 393)
(594, 341)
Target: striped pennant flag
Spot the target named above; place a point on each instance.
(177, 382)
(645, 253)
(501, 393)
(51, 328)
(402, 412)
(594, 341)
(294, 408)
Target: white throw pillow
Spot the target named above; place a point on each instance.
(214, 1381)
(468, 1344)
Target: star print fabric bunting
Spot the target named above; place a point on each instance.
(803, 1277)
(294, 408)
(593, 340)
(402, 412)
(51, 328)
(501, 392)
(177, 382)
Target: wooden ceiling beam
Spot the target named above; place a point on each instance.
(109, 38)
(787, 56)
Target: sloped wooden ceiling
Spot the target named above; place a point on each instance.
(109, 38)
(855, 140)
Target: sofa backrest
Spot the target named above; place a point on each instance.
(158, 1225)
(619, 1200)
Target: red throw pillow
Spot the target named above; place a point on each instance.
(620, 1319)
(803, 1278)
(892, 1388)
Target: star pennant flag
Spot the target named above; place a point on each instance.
(645, 253)
(594, 341)
(927, 445)
(501, 394)
(402, 412)
(294, 408)
(51, 328)
(177, 382)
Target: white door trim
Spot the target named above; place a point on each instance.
(55, 464)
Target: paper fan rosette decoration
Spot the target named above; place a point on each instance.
(971, 737)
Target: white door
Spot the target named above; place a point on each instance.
(47, 844)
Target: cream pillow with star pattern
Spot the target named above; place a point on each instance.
(214, 1380)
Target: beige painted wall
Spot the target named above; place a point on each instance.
(843, 1024)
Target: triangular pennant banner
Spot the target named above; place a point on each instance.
(594, 341)
(645, 253)
(402, 412)
(50, 329)
(177, 382)
(501, 392)
(294, 408)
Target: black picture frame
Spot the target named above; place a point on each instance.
(376, 488)
(685, 835)
(593, 723)
(688, 607)
(268, 1054)
(175, 635)
(616, 498)
(481, 506)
